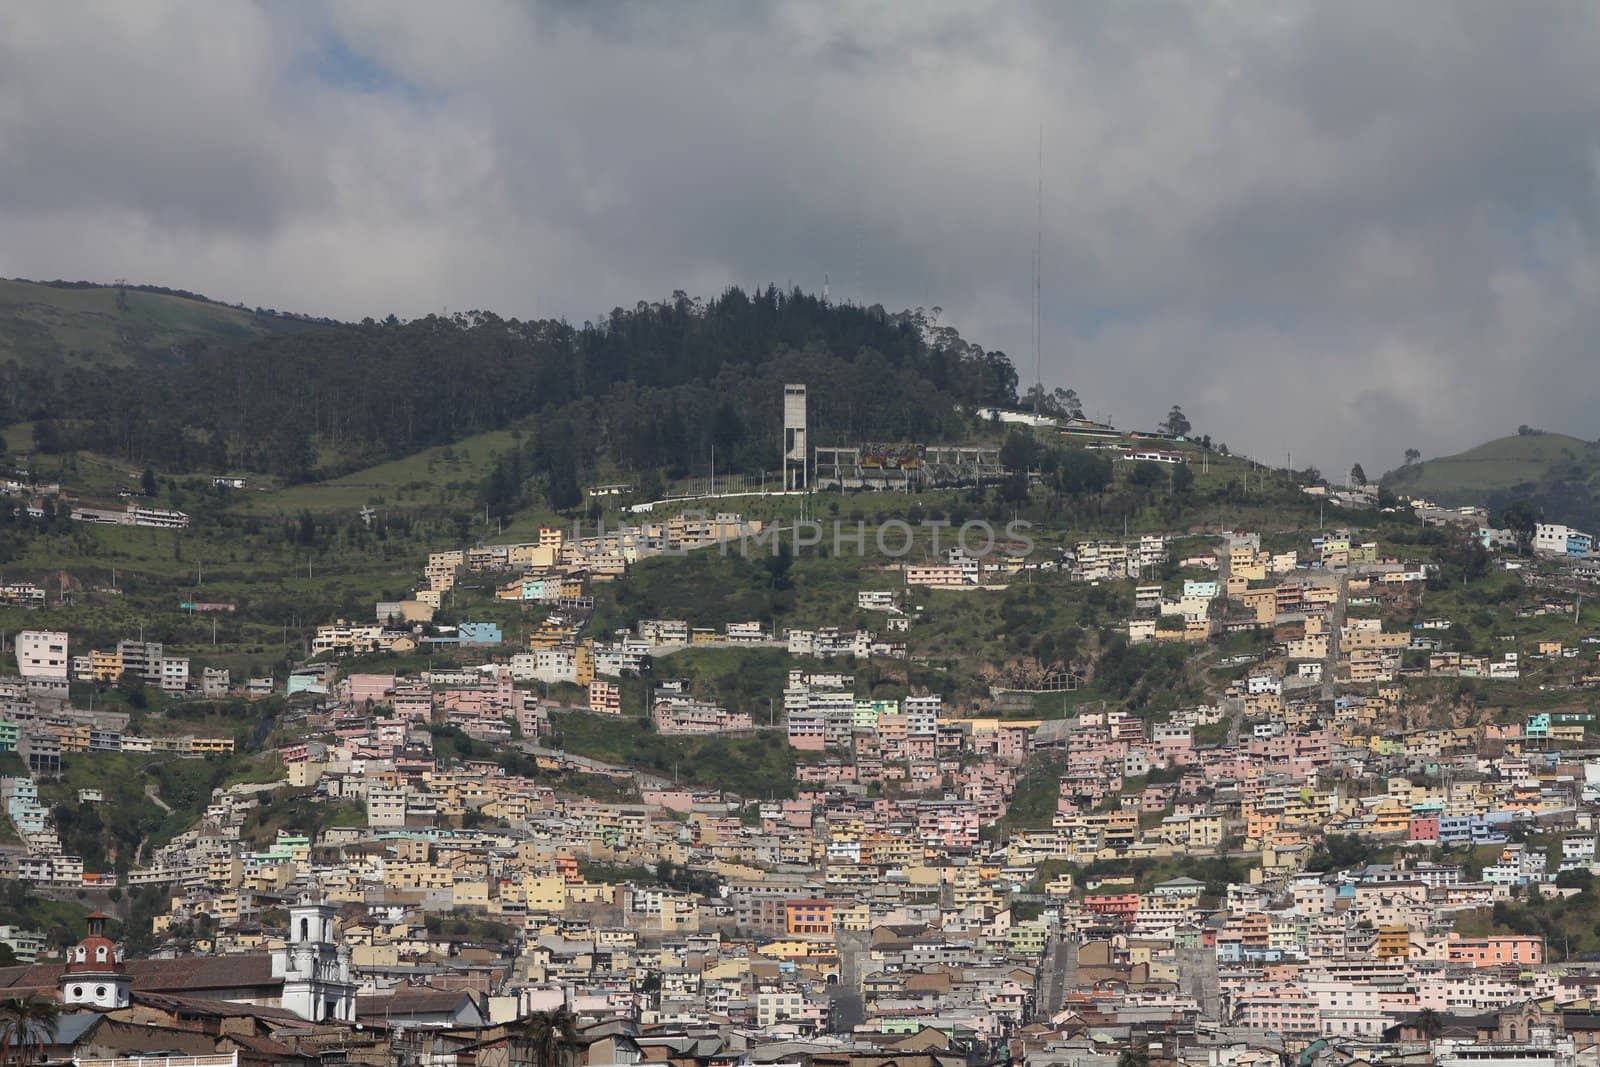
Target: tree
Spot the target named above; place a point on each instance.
(147, 482)
(1019, 451)
(1429, 1023)
(1133, 1057)
(1340, 852)
(564, 491)
(1145, 475)
(1182, 478)
(1520, 517)
(1412, 456)
(1058, 402)
(547, 1037)
(1177, 422)
(778, 566)
(1014, 490)
(1079, 471)
(47, 436)
(650, 484)
(27, 1025)
(1358, 477)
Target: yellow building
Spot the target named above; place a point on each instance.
(545, 893)
(469, 894)
(105, 666)
(1394, 942)
(583, 662)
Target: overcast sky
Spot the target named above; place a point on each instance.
(1340, 228)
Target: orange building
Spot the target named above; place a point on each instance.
(808, 916)
(1122, 905)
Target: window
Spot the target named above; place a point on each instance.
(100, 991)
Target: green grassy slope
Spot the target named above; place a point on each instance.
(1496, 465)
(1556, 475)
(447, 475)
(48, 326)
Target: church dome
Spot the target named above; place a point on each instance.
(96, 953)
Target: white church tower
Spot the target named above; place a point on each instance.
(94, 976)
(315, 967)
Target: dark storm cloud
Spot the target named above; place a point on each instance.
(1337, 229)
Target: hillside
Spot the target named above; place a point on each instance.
(55, 326)
(1557, 473)
(652, 391)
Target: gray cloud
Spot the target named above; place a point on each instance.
(1341, 229)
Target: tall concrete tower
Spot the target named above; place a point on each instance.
(794, 437)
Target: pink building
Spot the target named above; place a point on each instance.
(1494, 950)
(605, 697)
(697, 717)
(531, 719)
(413, 702)
(1424, 828)
(1014, 743)
(358, 689)
(679, 800)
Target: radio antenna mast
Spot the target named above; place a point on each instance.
(1038, 275)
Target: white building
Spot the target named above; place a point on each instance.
(1259, 684)
(174, 674)
(922, 715)
(42, 654)
(315, 967)
(795, 452)
(25, 945)
(1550, 538)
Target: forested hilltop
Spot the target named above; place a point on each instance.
(652, 388)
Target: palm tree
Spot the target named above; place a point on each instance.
(1429, 1023)
(547, 1036)
(27, 1024)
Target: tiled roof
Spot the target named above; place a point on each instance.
(406, 1001)
(198, 974)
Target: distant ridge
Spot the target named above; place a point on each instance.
(1558, 473)
(57, 325)
(165, 380)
